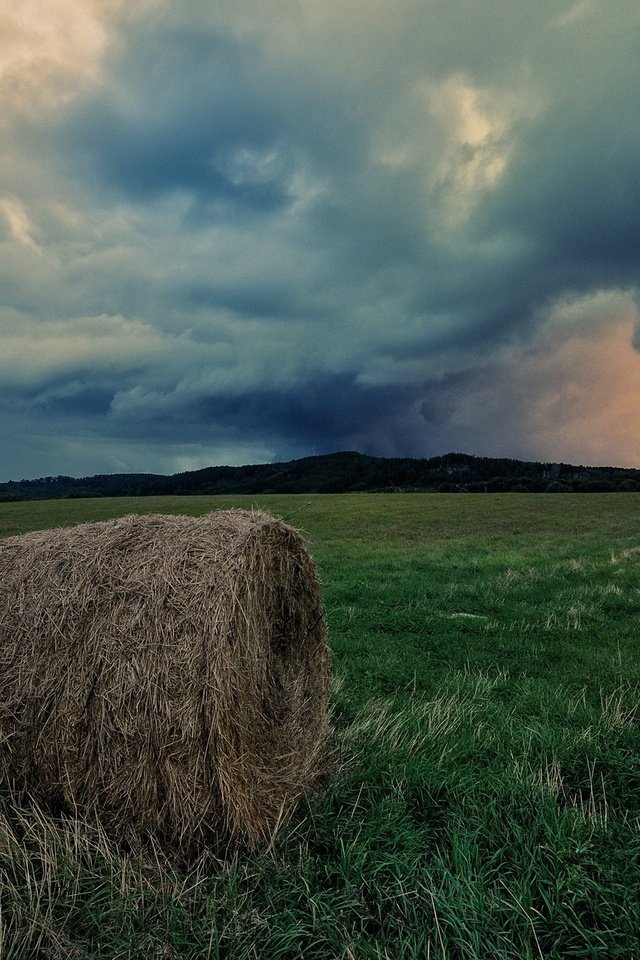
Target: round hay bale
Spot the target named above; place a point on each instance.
(168, 674)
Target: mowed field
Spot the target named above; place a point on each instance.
(484, 796)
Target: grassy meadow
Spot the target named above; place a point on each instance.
(484, 801)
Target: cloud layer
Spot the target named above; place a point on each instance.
(238, 232)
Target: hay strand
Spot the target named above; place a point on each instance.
(167, 674)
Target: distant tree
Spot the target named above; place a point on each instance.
(556, 486)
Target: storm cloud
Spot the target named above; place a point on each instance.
(251, 231)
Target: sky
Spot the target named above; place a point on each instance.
(255, 230)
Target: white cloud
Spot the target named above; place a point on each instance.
(475, 132)
(589, 315)
(33, 353)
(48, 48)
(19, 222)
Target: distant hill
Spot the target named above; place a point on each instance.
(341, 473)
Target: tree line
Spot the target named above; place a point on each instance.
(341, 473)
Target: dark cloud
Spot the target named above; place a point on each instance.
(318, 414)
(183, 123)
(241, 232)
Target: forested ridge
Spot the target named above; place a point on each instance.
(341, 473)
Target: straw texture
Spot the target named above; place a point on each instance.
(167, 674)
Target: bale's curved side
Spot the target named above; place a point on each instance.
(167, 673)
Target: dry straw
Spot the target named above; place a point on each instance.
(167, 674)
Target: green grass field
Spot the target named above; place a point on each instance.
(485, 796)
